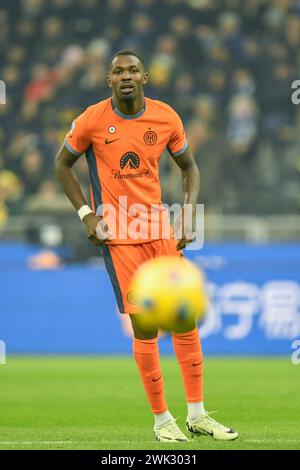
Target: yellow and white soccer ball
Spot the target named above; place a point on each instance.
(170, 293)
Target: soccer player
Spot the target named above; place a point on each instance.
(123, 138)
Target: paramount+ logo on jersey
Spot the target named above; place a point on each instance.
(129, 167)
(130, 160)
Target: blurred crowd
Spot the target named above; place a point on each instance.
(226, 66)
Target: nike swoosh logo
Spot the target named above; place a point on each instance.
(156, 380)
(202, 431)
(198, 363)
(111, 141)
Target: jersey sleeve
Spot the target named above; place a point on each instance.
(177, 143)
(77, 140)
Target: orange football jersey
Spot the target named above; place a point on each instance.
(123, 154)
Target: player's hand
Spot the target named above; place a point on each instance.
(184, 230)
(97, 230)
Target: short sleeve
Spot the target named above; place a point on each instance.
(77, 140)
(177, 143)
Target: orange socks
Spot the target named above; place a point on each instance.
(189, 355)
(146, 354)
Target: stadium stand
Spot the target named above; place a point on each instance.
(225, 66)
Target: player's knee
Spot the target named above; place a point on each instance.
(139, 331)
(185, 328)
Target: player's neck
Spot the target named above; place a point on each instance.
(130, 108)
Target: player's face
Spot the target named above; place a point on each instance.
(127, 78)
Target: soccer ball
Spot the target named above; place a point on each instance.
(170, 293)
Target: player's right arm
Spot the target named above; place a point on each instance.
(64, 162)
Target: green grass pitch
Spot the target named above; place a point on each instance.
(99, 403)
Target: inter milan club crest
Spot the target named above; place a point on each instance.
(131, 298)
(150, 137)
(130, 160)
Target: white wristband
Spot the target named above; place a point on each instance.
(83, 211)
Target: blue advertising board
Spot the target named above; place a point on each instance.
(254, 308)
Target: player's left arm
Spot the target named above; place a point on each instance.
(191, 187)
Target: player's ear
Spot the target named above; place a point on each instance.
(145, 78)
(108, 80)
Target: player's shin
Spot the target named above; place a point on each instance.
(188, 351)
(146, 354)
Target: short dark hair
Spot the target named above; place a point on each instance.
(125, 52)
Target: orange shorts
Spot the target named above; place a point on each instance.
(122, 261)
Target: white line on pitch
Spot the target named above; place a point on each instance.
(6, 443)
(271, 440)
(100, 441)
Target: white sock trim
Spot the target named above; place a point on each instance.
(195, 410)
(162, 418)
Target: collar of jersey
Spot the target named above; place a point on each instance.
(128, 116)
